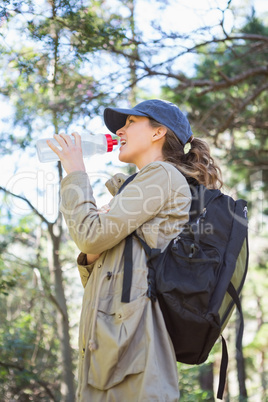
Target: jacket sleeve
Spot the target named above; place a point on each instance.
(139, 202)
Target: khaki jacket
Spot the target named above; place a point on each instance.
(125, 351)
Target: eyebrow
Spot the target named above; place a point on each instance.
(129, 116)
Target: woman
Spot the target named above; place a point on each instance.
(125, 351)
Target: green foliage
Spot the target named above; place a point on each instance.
(29, 346)
(7, 235)
(91, 31)
(260, 341)
(46, 79)
(28, 351)
(7, 280)
(190, 390)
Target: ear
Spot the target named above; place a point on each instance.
(159, 133)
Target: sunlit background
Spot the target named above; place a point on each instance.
(61, 64)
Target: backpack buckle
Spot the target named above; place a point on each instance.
(192, 250)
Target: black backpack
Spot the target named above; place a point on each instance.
(199, 276)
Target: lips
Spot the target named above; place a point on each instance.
(123, 142)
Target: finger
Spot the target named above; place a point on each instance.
(77, 138)
(59, 138)
(53, 147)
(66, 138)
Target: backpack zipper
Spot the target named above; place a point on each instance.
(202, 216)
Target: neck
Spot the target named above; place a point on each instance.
(153, 157)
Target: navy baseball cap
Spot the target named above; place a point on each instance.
(163, 112)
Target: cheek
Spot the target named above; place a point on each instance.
(142, 140)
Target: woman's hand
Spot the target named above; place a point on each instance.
(104, 209)
(92, 258)
(70, 155)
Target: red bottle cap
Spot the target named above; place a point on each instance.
(110, 142)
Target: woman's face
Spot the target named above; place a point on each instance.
(136, 141)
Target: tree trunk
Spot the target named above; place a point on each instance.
(263, 376)
(260, 321)
(134, 54)
(67, 382)
(132, 67)
(206, 380)
(226, 394)
(55, 231)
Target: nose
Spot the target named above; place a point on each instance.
(120, 131)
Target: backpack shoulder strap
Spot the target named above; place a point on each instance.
(224, 359)
(127, 278)
(128, 267)
(223, 368)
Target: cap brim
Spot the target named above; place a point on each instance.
(115, 118)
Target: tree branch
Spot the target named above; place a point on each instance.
(43, 219)
(45, 283)
(33, 375)
(228, 82)
(193, 49)
(235, 111)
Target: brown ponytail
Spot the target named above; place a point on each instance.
(196, 163)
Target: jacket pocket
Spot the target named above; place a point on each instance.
(121, 344)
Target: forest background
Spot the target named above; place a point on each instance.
(62, 62)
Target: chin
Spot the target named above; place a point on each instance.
(124, 158)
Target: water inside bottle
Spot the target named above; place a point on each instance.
(90, 146)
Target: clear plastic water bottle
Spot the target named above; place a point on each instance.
(91, 145)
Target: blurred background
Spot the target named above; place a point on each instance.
(62, 62)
